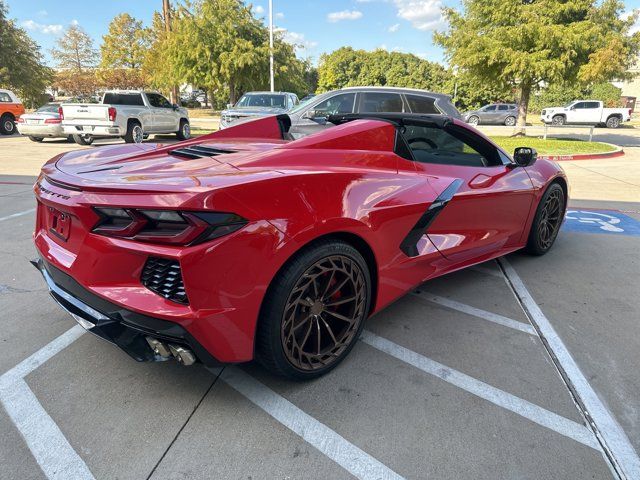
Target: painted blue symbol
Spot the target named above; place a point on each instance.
(601, 221)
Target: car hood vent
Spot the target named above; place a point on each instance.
(198, 151)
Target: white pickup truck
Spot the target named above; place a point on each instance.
(132, 115)
(586, 112)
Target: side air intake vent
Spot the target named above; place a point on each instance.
(198, 151)
(163, 276)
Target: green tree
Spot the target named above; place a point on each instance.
(123, 53)
(347, 67)
(75, 50)
(22, 68)
(220, 46)
(75, 58)
(528, 43)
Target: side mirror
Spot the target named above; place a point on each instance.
(175, 106)
(525, 156)
(317, 115)
(229, 105)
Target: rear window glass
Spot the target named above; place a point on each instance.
(420, 104)
(123, 99)
(258, 100)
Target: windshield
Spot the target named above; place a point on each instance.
(266, 100)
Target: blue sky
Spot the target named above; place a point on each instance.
(320, 26)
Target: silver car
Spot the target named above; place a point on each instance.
(311, 116)
(493, 114)
(44, 123)
(258, 104)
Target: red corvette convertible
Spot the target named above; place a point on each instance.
(246, 244)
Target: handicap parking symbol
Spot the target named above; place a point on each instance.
(601, 221)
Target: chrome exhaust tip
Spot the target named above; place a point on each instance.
(159, 348)
(183, 355)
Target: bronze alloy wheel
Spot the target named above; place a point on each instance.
(323, 312)
(550, 218)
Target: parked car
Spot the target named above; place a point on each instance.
(585, 112)
(243, 243)
(10, 108)
(258, 104)
(493, 114)
(311, 117)
(45, 122)
(132, 115)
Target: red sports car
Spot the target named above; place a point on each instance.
(246, 244)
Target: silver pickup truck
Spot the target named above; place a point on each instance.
(132, 115)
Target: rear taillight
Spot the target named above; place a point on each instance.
(112, 114)
(60, 113)
(166, 226)
(52, 120)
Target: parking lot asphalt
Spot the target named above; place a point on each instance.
(456, 380)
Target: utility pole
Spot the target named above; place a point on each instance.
(271, 45)
(166, 12)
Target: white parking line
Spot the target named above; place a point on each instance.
(611, 434)
(357, 462)
(498, 397)
(477, 312)
(19, 214)
(50, 448)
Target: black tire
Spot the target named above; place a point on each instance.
(613, 122)
(510, 121)
(275, 344)
(7, 124)
(558, 120)
(70, 139)
(184, 133)
(474, 120)
(36, 139)
(547, 222)
(135, 133)
(83, 139)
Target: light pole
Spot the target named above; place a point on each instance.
(271, 44)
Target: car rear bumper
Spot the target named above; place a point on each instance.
(127, 329)
(95, 130)
(41, 130)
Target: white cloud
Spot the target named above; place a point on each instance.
(344, 15)
(42, 13)
(258, 9)
(75, 22)
(394, 28)
(423, 14)
(364, 1)
(279, 15)
(298, 40)
(54, 29)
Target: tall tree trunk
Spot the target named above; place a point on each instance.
(166, 11)
(232, 93)
(523, 106)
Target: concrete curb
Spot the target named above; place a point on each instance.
(618, 152)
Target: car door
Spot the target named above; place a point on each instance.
(575, 114)
(314, 117)
(165, 118)
(489, 114)
(490, 199)
(591, 113)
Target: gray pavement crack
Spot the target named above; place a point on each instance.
(195, 409)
